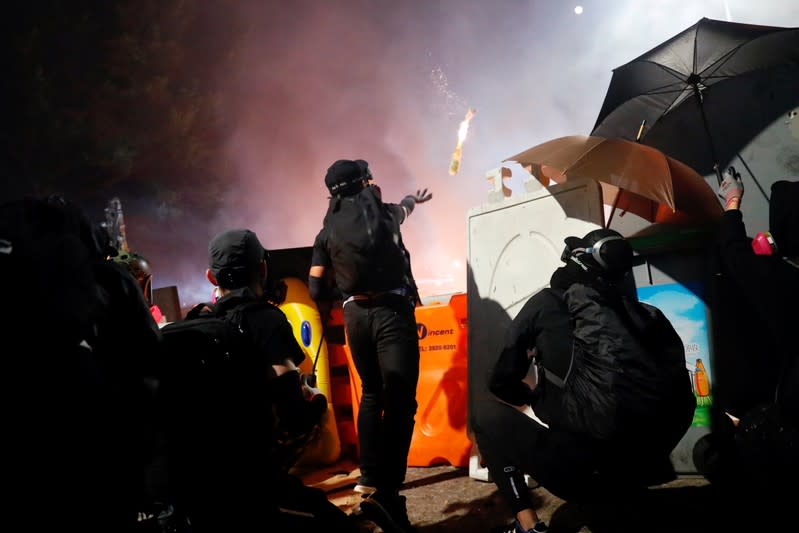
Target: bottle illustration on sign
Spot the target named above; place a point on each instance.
(702, 383)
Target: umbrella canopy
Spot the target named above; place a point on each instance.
(634, 177)
(706, 92)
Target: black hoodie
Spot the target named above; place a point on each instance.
(769, 285)
(611, 365)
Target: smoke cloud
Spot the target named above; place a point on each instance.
(308, 82)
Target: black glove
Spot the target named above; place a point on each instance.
(316, 401)
(410, 201)
(421, 196)
(290, 404)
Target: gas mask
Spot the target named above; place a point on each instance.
(595, 251)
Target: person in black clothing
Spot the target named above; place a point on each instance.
(381, 333)
(244, 486)
(78, 417)
(612, 397)
(761, 445)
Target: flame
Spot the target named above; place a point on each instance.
(464, 127)
(463, 130)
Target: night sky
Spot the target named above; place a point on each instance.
(206, 115)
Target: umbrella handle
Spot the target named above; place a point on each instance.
(640, 131)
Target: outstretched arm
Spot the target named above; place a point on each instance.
(410, 201)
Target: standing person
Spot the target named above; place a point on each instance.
(762, 447)
(360, 240)
(613, 396)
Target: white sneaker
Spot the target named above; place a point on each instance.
(366, 490)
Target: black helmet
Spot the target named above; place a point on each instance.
(345, 177)
(603, 251)
(139, 268)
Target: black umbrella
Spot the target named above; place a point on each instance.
(705, 93)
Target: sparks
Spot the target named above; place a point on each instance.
(463, 129)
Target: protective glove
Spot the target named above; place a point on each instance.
(298, 407)
(309, 389)
(410, 201)
(731, 187)
(421, 196)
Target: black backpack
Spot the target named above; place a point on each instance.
(365, 244)
(215, 404)
(202, 362)
(626, 370)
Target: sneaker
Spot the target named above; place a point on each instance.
(365, 486)
(387, 511)
(516, 527)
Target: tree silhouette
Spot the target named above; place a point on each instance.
(113, 99)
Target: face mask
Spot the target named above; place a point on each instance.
(377, 191)
(764, 244)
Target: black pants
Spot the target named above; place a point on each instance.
(513, 444)
(382, 338)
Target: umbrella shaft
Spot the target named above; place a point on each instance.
(699, 100)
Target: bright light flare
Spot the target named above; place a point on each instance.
(463, 130)
(578, 10)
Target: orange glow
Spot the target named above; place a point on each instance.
(463, 130)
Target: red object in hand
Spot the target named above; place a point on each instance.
(764, 244)
(158, 316)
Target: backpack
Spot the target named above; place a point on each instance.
(214, 401)
(626, 375)
(365, 245)
(214, 388)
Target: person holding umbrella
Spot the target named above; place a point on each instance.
(761, 445)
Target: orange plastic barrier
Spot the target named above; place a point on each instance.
(439, 435)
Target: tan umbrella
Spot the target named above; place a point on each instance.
(634, 177)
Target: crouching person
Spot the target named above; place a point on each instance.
(234, 400)
(613, 396)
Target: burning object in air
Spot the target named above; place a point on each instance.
(455, 162)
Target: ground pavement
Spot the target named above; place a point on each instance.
(445, 499)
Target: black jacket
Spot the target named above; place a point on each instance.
(769, 286)
(608, 366)
(267, 325)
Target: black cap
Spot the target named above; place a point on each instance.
(345, 176)
(233, 256)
